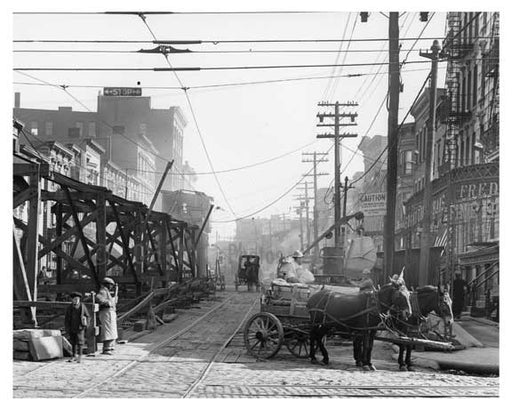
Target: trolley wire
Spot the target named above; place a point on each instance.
(194, 117)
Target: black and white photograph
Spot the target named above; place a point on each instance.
(254, 200)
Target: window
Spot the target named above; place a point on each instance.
(80, 126)
(408, 163)
(34, 128)
(468, 90)
(91, 131)
(48, 128)
(475, 84)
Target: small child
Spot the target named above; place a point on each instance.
(76, 321)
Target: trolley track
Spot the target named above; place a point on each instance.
(154, 349)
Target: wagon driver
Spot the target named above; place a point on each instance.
(107, 314)
(298, 273)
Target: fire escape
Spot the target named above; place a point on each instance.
(490, 137)
(456, 46)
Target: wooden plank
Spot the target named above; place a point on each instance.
(20, 282)
(82, 237)
(32, 233)
(72, 231)
(101, 236)
(23, 196)
(137, 308)
(52, 305)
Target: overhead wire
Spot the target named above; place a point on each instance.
(64, 88)
(211, 68)
(194, 117)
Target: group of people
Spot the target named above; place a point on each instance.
(77, 319)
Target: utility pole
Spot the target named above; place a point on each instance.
(345, 191)
(337, 136)
(316, 174)
(394, 92)
(423, 278)
(305, 205)
(299, 211)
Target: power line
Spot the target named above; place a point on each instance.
(215, 42)
(213, 68)
(230, 84)
(278, 198)
(194, 117)
(208, 51)
(64, 88)
(136, 13)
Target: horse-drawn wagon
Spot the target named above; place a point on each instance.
(285, 317)
(248, 272)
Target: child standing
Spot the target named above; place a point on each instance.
(75, 322)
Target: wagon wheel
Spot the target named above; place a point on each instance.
(297, 342)
(263, 335)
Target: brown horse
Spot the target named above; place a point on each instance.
(430, 299)
(357, 314)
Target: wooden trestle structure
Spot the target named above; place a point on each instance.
(91, 225)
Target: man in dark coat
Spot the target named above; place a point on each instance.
(459, 290)
(75, 322)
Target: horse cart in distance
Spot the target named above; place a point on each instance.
(248, 272)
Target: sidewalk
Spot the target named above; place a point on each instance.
(479, 336)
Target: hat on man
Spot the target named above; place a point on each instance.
(76, 294)
(109, 281)
(297, 254)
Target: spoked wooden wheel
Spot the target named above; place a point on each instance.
(297, 342)
(263, 335)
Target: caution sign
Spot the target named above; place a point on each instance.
(373, 203)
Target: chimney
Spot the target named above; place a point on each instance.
(17, 99)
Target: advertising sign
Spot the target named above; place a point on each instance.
(373, 203)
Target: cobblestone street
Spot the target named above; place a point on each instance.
(196, 356)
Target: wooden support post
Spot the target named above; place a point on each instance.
(32, 233)
(101, 236)
(181, 254)
(138, 250)
(20, 282)
(82, 236)
(125, 241)
(163, 250)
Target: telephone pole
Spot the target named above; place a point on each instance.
(337, 116)
(394, 93)
(423, 278)
(316, 174)
(305, 205)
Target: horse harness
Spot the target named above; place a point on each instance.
(372, 305)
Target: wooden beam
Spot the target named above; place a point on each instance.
(69, 232)
(136, 308)
(124, 239)
(20, 282)
(23, 196)
(101, 234)
(52, 305)
(32, 233)
(82, 237)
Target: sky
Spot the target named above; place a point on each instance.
(237, 126)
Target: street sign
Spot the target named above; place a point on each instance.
(122, 91)
(373, 203)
